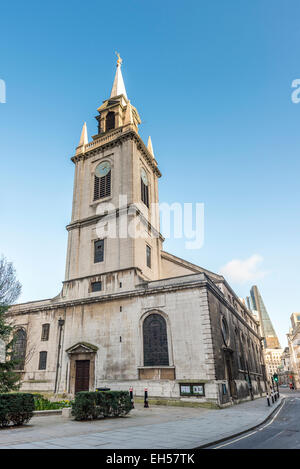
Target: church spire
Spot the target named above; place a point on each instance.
(149, 146)
(84, 136)
(118, 86)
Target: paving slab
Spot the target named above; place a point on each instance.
(159, 427)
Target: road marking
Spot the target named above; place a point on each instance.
(260, 429)
(253, 433)
(234, 441)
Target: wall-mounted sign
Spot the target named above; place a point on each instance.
(2, 351)
(198, 389)
(185, 389)
(194, 389)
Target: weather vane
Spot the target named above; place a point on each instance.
(119, 61)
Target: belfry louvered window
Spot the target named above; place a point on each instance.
(110, 121)
(102, 181)
(155, 341)
(102, 186)
(144, 187)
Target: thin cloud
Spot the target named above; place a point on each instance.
(243, 271)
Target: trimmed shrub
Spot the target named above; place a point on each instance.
(16, 408)
(94, 405)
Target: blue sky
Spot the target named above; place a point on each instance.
(212, 82)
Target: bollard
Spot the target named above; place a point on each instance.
(131, 397)
(268, 400)
(146, 405)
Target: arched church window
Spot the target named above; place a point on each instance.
(155, 341)
(237, 347)
(102, 181)
(110, 121)
(242, 355)
(251, 359)
(144, 187)
(255, 359)
(19, 348)
(225, 330)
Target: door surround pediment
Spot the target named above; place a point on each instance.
(82, 347)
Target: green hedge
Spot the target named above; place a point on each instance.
(94, 405)
(16, 408)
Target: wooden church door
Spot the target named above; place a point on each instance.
(82, 380)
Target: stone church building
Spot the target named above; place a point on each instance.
(129, 313)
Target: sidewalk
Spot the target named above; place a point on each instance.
(159, 427)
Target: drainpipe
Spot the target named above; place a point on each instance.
(61, 323)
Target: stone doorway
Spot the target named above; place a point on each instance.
(82, 367)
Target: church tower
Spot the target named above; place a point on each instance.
(114, 236)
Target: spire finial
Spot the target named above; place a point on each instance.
(118, 85)
(119, 61)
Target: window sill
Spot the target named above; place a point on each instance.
(155, 366)
(99, 201)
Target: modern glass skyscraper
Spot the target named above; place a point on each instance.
(268, 332)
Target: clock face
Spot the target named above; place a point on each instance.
(102, 169)
(144, 177)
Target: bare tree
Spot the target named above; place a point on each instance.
(10, 288)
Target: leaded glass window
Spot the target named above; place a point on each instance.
(155, 341)
(43, 361)
(99, 250)
(19, 350)
(45, 331)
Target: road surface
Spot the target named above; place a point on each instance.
(282, 431)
